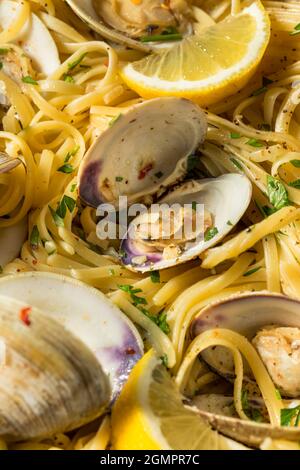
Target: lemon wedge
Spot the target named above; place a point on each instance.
(205, 67)
(150, 415)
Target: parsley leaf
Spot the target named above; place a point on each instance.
(119, 179)
(67, 168)
(29, 80)
(236, 163)
(295, 163)
(235, 135)
(210, 233)
(255, 143)
(34, 237)
(76, 62)
(66, 203)
(277, 193)
(296, 30)
(164, 360)
(287, 414)
(155, 277)
(68, 78)
(57, 219)
(295, 184)
(252, 271)
(72, 153)
(3, 51)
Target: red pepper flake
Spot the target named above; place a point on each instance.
(130, 351)
(24, 315)
(144, 171)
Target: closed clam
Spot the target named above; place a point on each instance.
(50, 381)
(88, 315)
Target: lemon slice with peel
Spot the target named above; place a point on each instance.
(207, 67)
(150, 415)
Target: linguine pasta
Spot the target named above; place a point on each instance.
(51, 123)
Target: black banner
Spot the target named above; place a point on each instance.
(131, 460)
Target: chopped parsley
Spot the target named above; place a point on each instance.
(235, 135)
(1, 66)
(119, 179)
(296, 30)
(73, 65)
(236, 163)
(252, 271)
(34, 238)
(255, 143)
(288, 414)
(278, 195)
(278, 394)
(155, 277)
(67, 168)
(252, 413)
(160, 320)
(229, 223)
(66, 203)
(73, 187)
(210, 233)
(29, 80)
(295, 163)
(295, 184)
(263, 89)
(3, 51)
(68, 78)
(114, 119)
(72, 153)
(169, 34)
(164, 360)
(59, 222)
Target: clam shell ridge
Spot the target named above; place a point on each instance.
(49, 380)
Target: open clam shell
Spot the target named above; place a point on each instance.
(248, 432)
(252, 314)
(87, 314)
(49, 380)
(143, 152)
(226, 198)
(34, 38)
(86, 11)
(245, 314)
(126, 22)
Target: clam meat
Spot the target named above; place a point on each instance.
(139, 24)
(34, 40)
(217, 203)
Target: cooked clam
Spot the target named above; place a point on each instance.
(147, 245)
(127, 21)
(272, 323)
(87, 314)
(143, 152)
(50, 381)
(34, 39)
